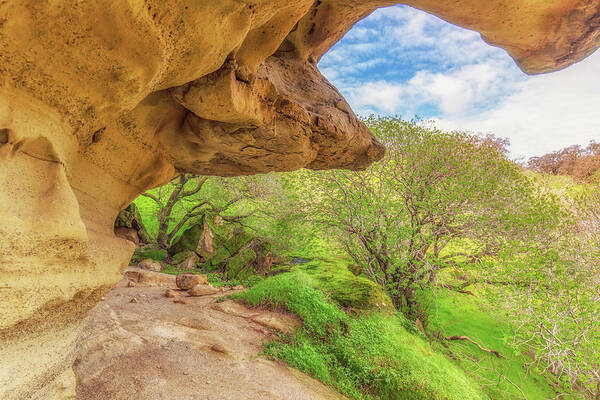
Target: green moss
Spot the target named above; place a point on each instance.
(239, 238)
(180, 257)
(239, 266)
(188, 241)
(221, 254)
(143, 253)
(349, 291)
(368, 357)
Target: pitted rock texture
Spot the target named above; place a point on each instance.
(203, 349)
(102, 100)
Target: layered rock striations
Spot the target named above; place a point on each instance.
(102, 100)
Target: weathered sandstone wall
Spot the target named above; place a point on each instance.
(102, 100)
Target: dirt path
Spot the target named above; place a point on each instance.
(155, 349)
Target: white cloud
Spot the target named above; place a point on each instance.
(544, 112)
(402, 61)
(381, 96)
(454, 93)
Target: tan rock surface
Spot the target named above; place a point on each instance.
(155, 349)
(170, 293)
(203, 290)
(188, 281)
(149, 278)
(102, 100)
(150, 265)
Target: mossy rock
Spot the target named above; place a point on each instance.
(180, 257)
(357, 292)
(220, 256)
(240, 266)
(239, 238)
(346, 289)
(188, 241)
(131, 218)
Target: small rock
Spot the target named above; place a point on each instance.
(130, 284)
(203, 290)
(150, 265)
(218, 348)
(172, 293)
(133, 300)
(180, 301)
(188, 281)
(149, 278)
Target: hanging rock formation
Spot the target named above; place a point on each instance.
(102, 100)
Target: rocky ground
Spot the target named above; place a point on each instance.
(140, 344)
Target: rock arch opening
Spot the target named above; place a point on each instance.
(157, 83)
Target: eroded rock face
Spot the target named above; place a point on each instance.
(102, 100)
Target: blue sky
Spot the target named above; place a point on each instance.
(402, 61)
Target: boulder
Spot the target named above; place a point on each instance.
(149, 278)
(238, 239)
(240, 266)
(188, 281)
(170, 293)
(206, 241)
(198, 239)
(150, 265)
(188, 241)
(202, 290)
(101, 101)
(190, 262)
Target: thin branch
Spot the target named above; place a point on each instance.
(151, 196)
(468, 339)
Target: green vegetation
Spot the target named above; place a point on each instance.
(401, 219)
(445, 271)
(500, 378)
(371, 356)
(150, 252)
(350, 292)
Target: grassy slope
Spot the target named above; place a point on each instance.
(504, 378)
(370, 356)
(384, 356)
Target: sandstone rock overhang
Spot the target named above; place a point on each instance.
(102, 100)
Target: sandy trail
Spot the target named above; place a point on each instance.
(156, 349)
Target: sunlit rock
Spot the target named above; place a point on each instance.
(100, 101)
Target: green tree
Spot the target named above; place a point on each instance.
(187, 198)
(556, 315)
(436, 200)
